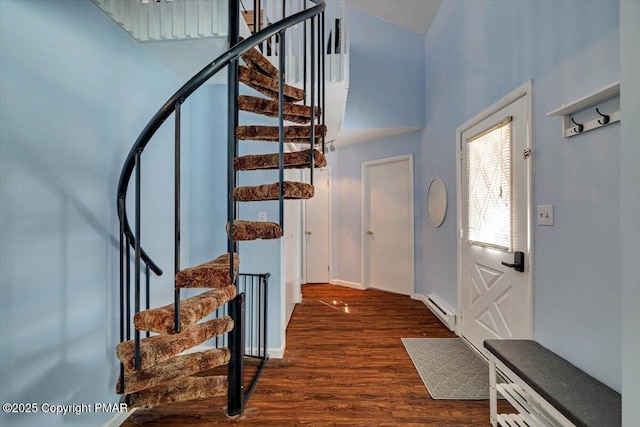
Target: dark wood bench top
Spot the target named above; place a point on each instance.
(581, 398)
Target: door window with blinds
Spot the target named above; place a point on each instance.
(489, 187)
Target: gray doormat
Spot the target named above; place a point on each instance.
(449, 368)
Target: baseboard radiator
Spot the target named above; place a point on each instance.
(442, 312)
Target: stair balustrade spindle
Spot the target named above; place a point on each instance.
(123, 242)
(312, 100)
(147, 293)
(319, 65)
(176, 213)
(281, 129)
(128, 290)
(136, 332)
(322, 79)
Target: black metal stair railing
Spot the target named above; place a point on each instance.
(254, 288)
(132, 238)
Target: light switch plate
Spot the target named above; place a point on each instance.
(545, 215)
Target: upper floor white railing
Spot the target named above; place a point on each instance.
(157, 20)
(167, 20)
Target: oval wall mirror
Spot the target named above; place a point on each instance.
(437, 202)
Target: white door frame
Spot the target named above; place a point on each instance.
(304, 228)
(364, 214)
(525, 90)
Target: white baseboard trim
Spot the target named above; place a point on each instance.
(348, 284)
(444, 315)
(119, 419)
(276, 353)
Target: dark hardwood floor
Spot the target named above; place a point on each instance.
(344, 366)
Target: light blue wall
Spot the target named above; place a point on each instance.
(346, 196)
(208, 195)
(386, 67)
(75, 93)
(208, 173)
(263, 256)
(476, 53)
(630, 211)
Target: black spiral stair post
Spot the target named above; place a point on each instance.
(236, 306)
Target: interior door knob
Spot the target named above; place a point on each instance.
(308, 233)
(370, 233)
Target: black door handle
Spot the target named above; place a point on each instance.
(518, 262)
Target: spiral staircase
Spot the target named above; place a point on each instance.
(162, 367)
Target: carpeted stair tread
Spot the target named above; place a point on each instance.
(179, 390)
(177, 367)
(212, 274)
(291, 190)
(267, 85)
(192, 310)
(157, 349)
(271, 133)
(293, 160)
(254, 230)
(267, 107)
(254, 59)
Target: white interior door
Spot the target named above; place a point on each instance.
(495, 183)
(388, 225)
(317, 229)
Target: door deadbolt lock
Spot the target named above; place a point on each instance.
(518, 262)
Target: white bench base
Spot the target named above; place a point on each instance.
(533, 410)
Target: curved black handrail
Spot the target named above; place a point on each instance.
(183, 93)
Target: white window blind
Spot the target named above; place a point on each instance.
(489, 187)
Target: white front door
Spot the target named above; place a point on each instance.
(317, 229)
(495, 174)
(388, 224)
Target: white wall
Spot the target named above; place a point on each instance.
(75, 93)
(630, 210)
(477, 52)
